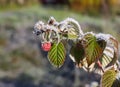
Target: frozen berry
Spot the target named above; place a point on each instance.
(46, 46)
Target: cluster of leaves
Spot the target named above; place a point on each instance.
(93, 52)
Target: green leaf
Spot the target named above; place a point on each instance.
(78, 52)
(92, 48)
(56, 55)
(111, 78)
(108, 58)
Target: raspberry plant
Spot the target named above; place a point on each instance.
(93, 52)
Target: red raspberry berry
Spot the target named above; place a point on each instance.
(46, 46)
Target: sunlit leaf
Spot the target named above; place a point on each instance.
(92, 48)
(56, 55)
(72, 33)
(111, 78)
(108, 58)
(110, 54)
(105, 60)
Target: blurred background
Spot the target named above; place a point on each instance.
(24, 64)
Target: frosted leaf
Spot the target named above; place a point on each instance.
(109, 52)
(82, 37)
(52, 21)
(39, 25)
(103, 36)
(111, 41)
(71, 21)
(62, 26)
(38, 28)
